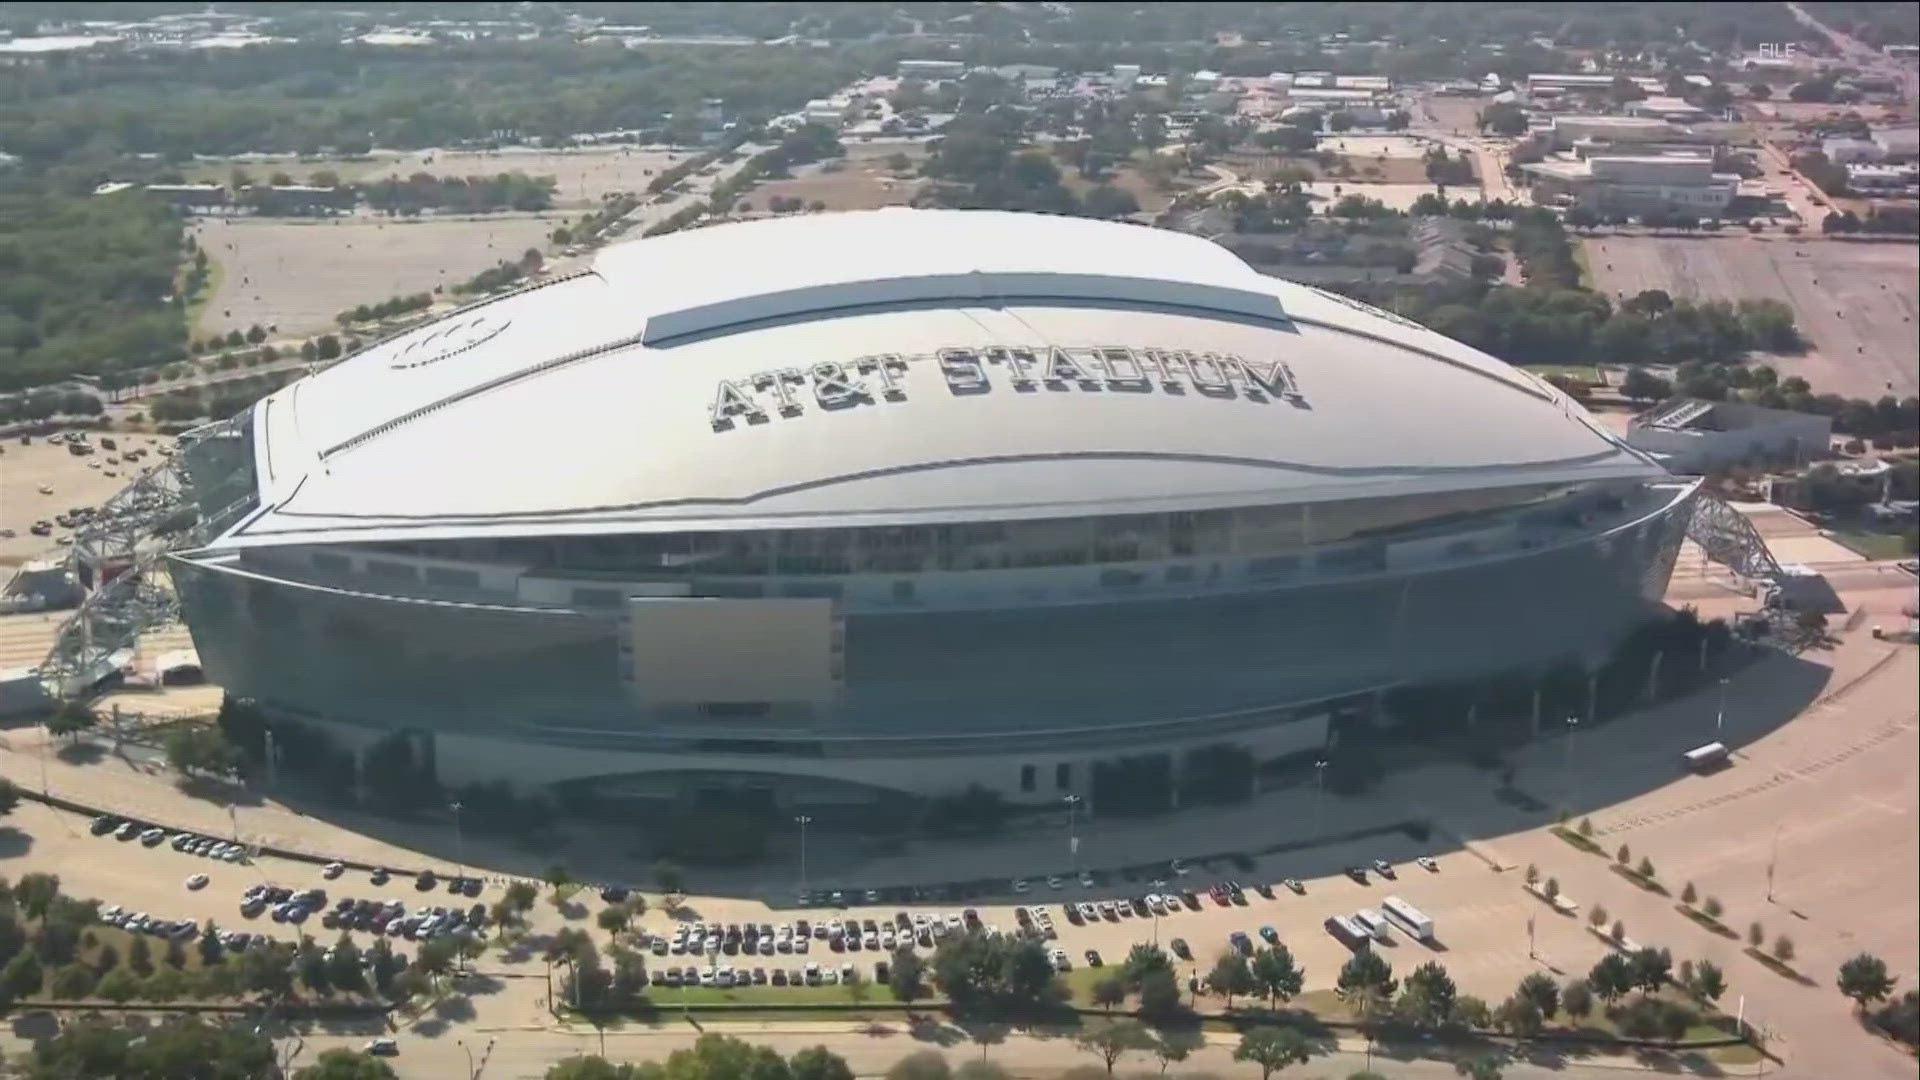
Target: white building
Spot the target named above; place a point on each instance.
(1852, 151)
(1692, 436)
(1565, 131)
(1125, 75)
(1635, 185)
(931, 70)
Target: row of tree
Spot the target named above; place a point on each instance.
(460, 194)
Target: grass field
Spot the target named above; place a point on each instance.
(1873, 545)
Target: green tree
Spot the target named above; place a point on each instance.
(23, 976)
(1864, 978)
(1577, 999)
(1689, 895)
(1276, 976)
(1427, 995)
(613, 920)
(1520, 1016)
(907, 976)
(1652, 968)
(1612, 976)
(72, 983)
(1273, 1049)
(1113, 1038)
(670, 879)
(920, 1065)
(1480, 1067)
(1109, 991)
(70, 719)
(1783, 948)
(1539, 988)
(1708, 980)
(1756, 935)
(1230, 976)
(343, 1064)
(819, 1063)
(1159, 994)
(1365, 969)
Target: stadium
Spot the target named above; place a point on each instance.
(841, 507)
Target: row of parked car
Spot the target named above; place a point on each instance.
(389, 917)
(139, 922)
(724, 976)
(152, 836)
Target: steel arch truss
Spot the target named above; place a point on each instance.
(118, 559)
(1729, 538)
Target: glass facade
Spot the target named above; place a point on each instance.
(993, 678)
(1007, 545)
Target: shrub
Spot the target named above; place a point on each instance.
(1783, 948)
(1586, 827)
(1624, 856)
(1756, 935)
(1645, 869)
(1619, 930)
(1533, 874)
(1713, 907)
(1688, 895)
(1551, 889)
(1598, 916)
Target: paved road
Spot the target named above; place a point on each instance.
(524, 1055)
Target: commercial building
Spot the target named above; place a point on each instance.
(1691, 435)
(1664, 107)
(1883, 179)
(1677, 183)
(844, 505)
(931, 70)
(1563, 132)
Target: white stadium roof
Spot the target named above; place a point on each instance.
(893, 367)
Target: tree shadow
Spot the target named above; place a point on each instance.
(81, 753)
(930, 1029)
(14, 843)
(217, 791)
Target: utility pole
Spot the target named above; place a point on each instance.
(1158, 885)
(1319, 793)
(803, 821)
(1573, 724)
(459, 838)
(1720, 716)
(1073, 841)
(1773, 859)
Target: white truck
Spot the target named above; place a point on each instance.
(1409, 917)
(1375, 924)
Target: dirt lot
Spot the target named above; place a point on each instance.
(25, 469)
(1855, 302)
(860, 181)
(298, 274)
(582, 176)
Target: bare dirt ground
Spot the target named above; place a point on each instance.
(297, 274)
(862, 180)
(582, 176)
(24, 470)
(1854, 302)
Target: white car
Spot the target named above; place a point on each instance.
(1054, 882)
(197, 881)
(1020, 885)
(1086, 879)
(1426, 863)
(332, 870)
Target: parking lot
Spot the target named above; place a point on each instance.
(1855, 302)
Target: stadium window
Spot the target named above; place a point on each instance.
(1177, 575)
(390, 571)
(903, 592)
(1273, 566)
(734, 710)
(829, 590)
(600, 598)
(1027, 777)
(453, 577)
(331, 561)
(1063, 776)
(1121, 579)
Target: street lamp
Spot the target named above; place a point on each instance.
(1073, 842)
(1157, 887)
(459, 838)
(1720, 717)
(1566, 764)
(469, 1052)
(803, 821)
(1319, 792)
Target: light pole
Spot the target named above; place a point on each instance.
(803, 821)
(469, 1052)
(1319, 792)
(1720, 716)
(1566, 764)
(459, 837)
(1772, 859)
(1157, 887)
(1073, 841)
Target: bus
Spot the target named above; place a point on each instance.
(1410, 918)
(1348, 933)
(1375, 924)
(1705, 758)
